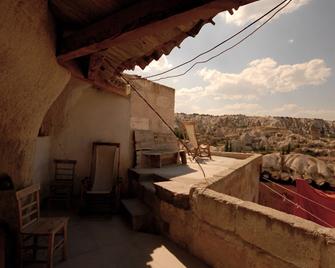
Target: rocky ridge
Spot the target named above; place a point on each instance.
(315, 137)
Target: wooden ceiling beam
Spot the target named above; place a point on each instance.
(97, 81)
(139, 20)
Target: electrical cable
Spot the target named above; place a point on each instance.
(162, 119)
(229, 48)
(157, 113)
(219, 44)
(300, 195)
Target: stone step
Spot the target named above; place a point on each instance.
(138, 212)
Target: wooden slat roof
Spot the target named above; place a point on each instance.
(103, 38)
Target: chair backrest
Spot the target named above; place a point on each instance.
(65, 170)
(190, 131)
(105, 166)
(28, 201)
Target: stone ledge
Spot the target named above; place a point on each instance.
(209, 207)
(292, 239)
(287, 237)
(174, 193)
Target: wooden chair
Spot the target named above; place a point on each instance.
(33, 226)
(194, 148)
(61, 189)
(101, 190)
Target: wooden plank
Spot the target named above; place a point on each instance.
(27, 191)
(73, 67)
(28, 224)
(46, 226)
(29, 205)
(137, 21)
(65, 161)
(145, 145)
(96, 62)
(35, 211)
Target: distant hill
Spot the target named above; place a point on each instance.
(219, 125)
(257, 133)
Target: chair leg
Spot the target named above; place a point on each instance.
(196, 153)
(65, 242)
(20, 250)
(51, 245)
(35, 238)
(209, 153)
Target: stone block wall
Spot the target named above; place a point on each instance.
(240, 181)
(225, 231)
(160, 97)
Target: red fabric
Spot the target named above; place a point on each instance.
(270, 199)
(327, 200)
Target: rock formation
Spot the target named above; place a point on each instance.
(31, 79)
(299, 166)
(265, 134)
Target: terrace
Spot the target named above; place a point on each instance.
(102, 242)
(63, 64)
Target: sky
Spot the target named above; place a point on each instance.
(287, 68)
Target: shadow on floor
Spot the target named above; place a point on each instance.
(109, 242)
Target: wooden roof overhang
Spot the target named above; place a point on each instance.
(99, 39)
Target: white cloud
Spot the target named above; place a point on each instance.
(193, 93)
(254, 10)
(260, 77)
(155, 66)
(264, 76)
(161, 65)
(236, 108)
(295, 110)
(290, 109)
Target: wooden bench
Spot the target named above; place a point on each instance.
(158, 159)
(154, 150)
(33, 226)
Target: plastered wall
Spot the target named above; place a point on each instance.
(83, 114)
(41, 164)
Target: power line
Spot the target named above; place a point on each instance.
(162, 119)
(219, 44)
(298, 206)
(157, 113)
(229, 48)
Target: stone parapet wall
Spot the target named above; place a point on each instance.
(225, 231)
(240, 181)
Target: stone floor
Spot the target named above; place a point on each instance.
(101, 242)
(179, 179)
(191, 173)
